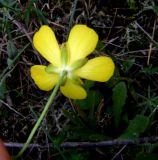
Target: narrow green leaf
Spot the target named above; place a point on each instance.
(132, 4)
(73, 117)
(27, 16)
(9, 4)
(88, 84)
(11, 49)
(100, 46)
(155, 8)
(4, 73)
(92, 100)
(150, 70)
(128, 64)
(10, 62)
(28, 11)
(2, 90)
(119, 98)
(41, 16)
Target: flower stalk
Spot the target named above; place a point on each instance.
(43, 114)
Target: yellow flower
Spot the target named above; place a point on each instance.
(69, 57)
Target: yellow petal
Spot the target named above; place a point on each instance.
(42, 79)
(97, 69)
(81, 42)
(46, 44)
(72, 90)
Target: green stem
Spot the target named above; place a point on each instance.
(40, 119)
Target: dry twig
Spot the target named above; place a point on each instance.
(107, 143)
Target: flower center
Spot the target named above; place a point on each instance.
(65, 67)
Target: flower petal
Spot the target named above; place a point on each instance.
(43, 80)
(72, 90)
(97, 69)
(81, 42)
(46, 44)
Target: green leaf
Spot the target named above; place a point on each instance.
(58, 140)
(9, 4)
(146, 156)
(77, 156)
(41, 17)
(88, 84)
(10, 62)
(27, 16)
(100, 46)
(11, 50)
(2, 89)
(150, 70)
(132, 4)
(155, 8)
(128, 135)
(92, 100)
(137, 126)
(114, 79)
(78, 130)
(83, 133)
(128, 64)
(119, 98)
(74, 118)
(28, 11)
